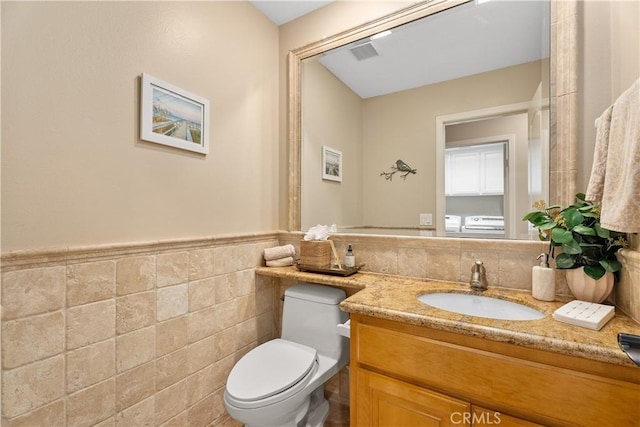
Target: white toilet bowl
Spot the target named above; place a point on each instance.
(281, 382)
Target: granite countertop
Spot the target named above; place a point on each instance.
(395, 298)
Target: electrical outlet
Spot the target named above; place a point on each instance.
(426, 219)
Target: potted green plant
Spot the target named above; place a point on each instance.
(588, 250)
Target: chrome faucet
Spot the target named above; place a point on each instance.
(478, 280)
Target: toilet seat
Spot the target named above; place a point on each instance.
(270, 373)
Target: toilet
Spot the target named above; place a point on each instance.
(281, 382)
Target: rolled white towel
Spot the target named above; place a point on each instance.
(282, 262)
(279, 252)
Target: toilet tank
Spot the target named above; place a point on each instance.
(310, 315)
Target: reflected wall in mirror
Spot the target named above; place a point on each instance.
(375, 127)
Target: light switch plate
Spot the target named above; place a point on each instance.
(426, 219)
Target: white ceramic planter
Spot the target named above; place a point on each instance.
(587, 289)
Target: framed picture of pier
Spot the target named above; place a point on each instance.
(173, 116)
(331, 164)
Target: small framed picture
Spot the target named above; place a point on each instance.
(172, 116)
(331, 164)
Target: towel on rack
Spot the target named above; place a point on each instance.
(615, 175)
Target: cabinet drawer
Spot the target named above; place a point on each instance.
(547, 394)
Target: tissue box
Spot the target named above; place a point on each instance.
(315, 253)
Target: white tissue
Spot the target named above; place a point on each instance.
(320, 232)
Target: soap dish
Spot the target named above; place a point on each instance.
(344, 271)
(586, 314)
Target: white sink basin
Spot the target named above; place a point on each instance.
(480, 306)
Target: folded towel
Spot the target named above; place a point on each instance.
(616, 174)
(282, 262)
(278, 252)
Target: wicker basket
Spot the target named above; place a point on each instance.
(315, 253)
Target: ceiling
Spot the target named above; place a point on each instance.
(281, 12)
(472, 38)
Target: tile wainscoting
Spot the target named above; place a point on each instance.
(141, 334)
(145, 334)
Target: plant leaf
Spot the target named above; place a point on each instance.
(564, 261)
(594, 271)
(572, 248)
(572, 217)
(584, 230)
(560, 235)
(611, 265)
(581, 196)
(600, 231)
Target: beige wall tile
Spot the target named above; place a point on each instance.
(172, 301)
(222, 368)
(171, 401)
(226, 342)
(135, 385)
(32, 338)
(245, 283)
(139, 415)
(171, 368)
(31, 386)
(227, 315)
(135, 348)
(201, 264)
(135, 311)
(90, 282)
(91, 405)
(412, 262)
(232, 258)
(245, 307)
(444, 265)
(202, 324)
(246, 333)
(52, 414)
(201, 384)
(27, 292)
(90, 323)
(91, 364)
(201, 354)
(224, 285)
(171, 335)
(202, 293)
(172, 268)
(179, 420)
(135, 274)
(202, 414)
(109, 422)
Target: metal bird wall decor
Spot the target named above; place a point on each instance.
(400, 166)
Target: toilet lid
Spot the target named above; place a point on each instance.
(269, 369)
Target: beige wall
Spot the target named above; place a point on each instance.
(74, 170)
(331, 116)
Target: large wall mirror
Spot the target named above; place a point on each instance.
(439, 120)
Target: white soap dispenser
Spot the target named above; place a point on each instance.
(543, 280)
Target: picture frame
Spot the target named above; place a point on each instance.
(173, 116)
(331, 164)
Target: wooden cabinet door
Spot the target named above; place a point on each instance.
(383, 401)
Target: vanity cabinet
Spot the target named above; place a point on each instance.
(415, 376)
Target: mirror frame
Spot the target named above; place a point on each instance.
(563, 118)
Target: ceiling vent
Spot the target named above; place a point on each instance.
(364, 51)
